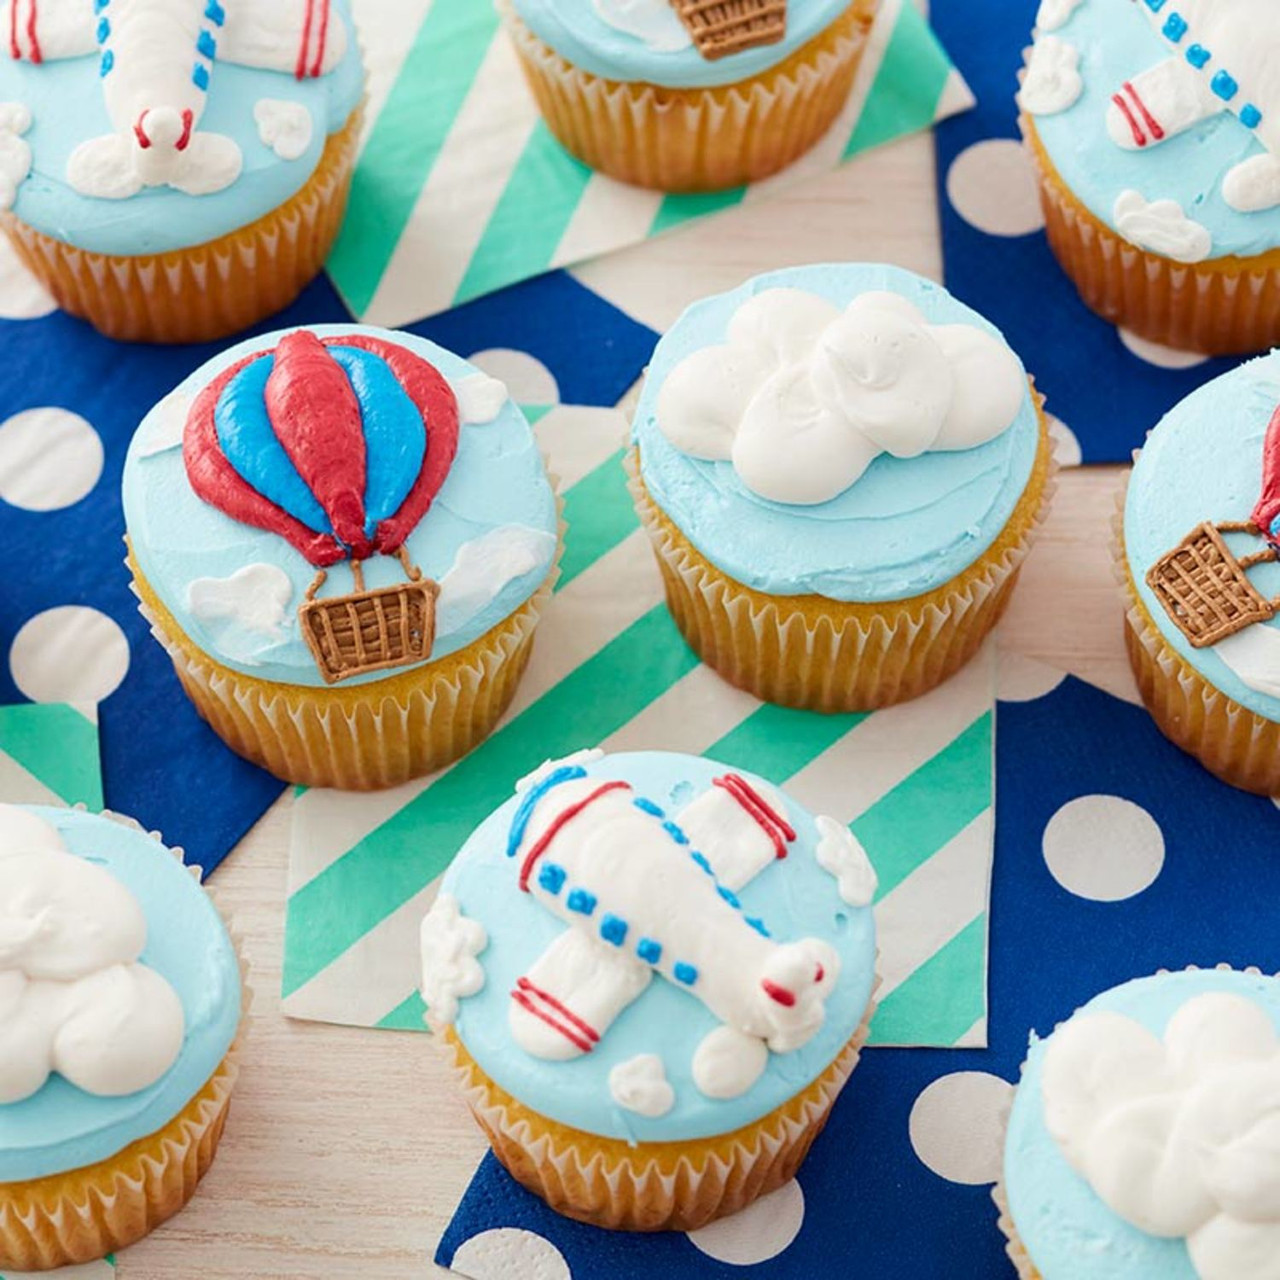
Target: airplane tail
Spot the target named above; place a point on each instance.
(794, 986)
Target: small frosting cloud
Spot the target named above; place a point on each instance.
(165, 425)
(450, 971)
(840, 853)
(1052, 82)
(286, 127)
(640, 1084)
(1053, 14)
(802, 398)
(1180, 1136)
(15, 153)
(484, 566)
(252, 603)
(654, 22)
(480, 398)
(1162, 227)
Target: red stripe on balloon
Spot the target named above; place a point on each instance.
(1268, 507)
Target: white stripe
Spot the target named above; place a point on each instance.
(956, 97)
(608, 214)
(460, 194)
(975, 1037)
(382, 29)
(934, 903)
(888, 747)
(578, 438)
(696, 711)
(19, 785)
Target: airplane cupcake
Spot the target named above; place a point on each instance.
(841, 469)
(1155, 129)
(654, 976)
(689, 95)
(176, 170)
(120, 1003)
(1142, 1140)
(343, 537)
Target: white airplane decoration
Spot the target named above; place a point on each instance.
(643, 893)
(1224, 56)
(156, 62)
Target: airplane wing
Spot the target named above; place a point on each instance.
(1159, 104)
(46, 30)
(303, 37)
(563, 1006)
(739, 827)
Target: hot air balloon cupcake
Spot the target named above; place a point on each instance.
(344, 538)
(1198, 547)
(689, 95)
(176, 170)
(121, 1000)
(841, 469)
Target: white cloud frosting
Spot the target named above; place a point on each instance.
(803, 397)
(253, 600)
(1053, 81)
(1180, 1136)
(74, 998)
(15, 152)
(450, 943)
(640, 1084)
(1162, 227)
(1055, 13)
(654, 22)
(284, 126)
(484, 566)
(841, 854)
(480, 398)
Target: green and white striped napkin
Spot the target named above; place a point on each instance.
(104, 1270)
(609, 668)
(461, 189)
(49, 755)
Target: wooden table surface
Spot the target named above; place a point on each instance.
(347, 1150)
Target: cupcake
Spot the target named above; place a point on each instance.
(344, 538)
(654, 976)
(1143, 1140)
(1197, 551)
(841, 468)
(1155, 131)
(120, 999)
(176, 170)
(689, 95)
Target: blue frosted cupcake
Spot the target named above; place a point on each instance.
(654, 974)
(1143, 1136)
(1199, 541)
(120, 998)
(682, 95)
(841, 468)
(176, 170)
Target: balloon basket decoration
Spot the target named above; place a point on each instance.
(370, 630)
(722, 27)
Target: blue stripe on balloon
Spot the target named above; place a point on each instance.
(394, 434)
(250, 445)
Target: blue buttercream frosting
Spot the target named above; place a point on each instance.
(576, 31)
(1067, 1230)
(1116, 42)
(497, 483)
(64, 96)
(793, 898)
(1204, 462)
(61, 1127)
(907, 526)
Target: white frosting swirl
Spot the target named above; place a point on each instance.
(1053, 81)
(73, 996)
(1180, 1136)
(653, 22)
(1162, 227)
(840, 853)
(640, 1084)
(450, 971)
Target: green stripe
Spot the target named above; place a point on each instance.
(536, 412)
(385, 869)
(408, 1015)
(777, 742)
(515, 245)
(57, 746)
(906, 827)
(908, 85)
(675, 211)
(407, 139)
(943, 998)
(599, 513)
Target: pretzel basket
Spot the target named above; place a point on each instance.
(722, 27)
(370, 630)
(1205, 588)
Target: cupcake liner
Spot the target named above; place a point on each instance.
(697, 139)
(1233, 743)
(825, 655)
(84, 1214)
(210, 290)
(670, 1186)
(1223, 306)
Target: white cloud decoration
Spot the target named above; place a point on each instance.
(1179, 1136)
(74, 998)
(802, 397)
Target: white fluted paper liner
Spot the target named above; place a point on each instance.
(697, 139)
(85, 1214)
(823, 655)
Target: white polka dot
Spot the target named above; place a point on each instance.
(957, 1126)
(1103, 848)
(1067, 450)
(760, 1232)
(1021, 679)
(49, 458)
(1160, 356)
(22, 296)
(69, 654)
(506, 1253)
(993, 187)
(527, 379)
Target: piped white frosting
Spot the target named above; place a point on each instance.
(450, 943)
(840, 852)
(640, 1084)
(1162, 227)
(1053, 14)
(1053, 81)
(284, 126)
(653, 22)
